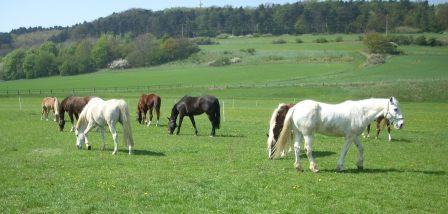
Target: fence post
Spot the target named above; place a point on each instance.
(20, 103)
(51, 91)
(233, 103)
(93, 89)
(73, 91)
(29, 91)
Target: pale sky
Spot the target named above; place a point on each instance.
(46, 13)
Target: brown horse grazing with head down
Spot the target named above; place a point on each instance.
(148, 102)
(276, 126)
(50, 103)
(378, 121)
(73, 106)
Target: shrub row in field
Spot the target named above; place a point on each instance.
(87, 55)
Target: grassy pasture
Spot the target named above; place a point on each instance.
(42, 171)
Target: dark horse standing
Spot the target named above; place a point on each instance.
(190, 106)
(73, 106)
(148, 102)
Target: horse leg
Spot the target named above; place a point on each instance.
(378, 128)
(150, 117)
(388, 130)
(309, 152)
(42, 113)
(360, 162)
(70, 114)
(103, 138)
(181, 118)
(345, 148)
(194, 125)
(367, 135)
(158, 115)
(210, 117)
(113, 131)
(297, 139)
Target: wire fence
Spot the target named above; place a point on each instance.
(149, 88)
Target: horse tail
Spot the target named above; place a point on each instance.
(56, 106)
(127, 131)
(285, 134)
(157, 104)
(217, 116)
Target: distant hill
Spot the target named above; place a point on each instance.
(300, 17)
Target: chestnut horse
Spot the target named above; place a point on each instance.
(148, 102)
(50, 103)
(276, 126)
(378, 121)
(73, 106)
(190, 106)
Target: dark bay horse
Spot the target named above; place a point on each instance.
(378, 121)
(148, 102)
(276, 126)
(73, 106)
(190, 106)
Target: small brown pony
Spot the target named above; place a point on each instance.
(378, 127)
(276, 126)
(148, 102)
(50, 103)
(73, 106)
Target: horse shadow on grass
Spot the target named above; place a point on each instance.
(378, 171)
(290, 155)
(138, 152)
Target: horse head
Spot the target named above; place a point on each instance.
(393, 113)
(61, 124)
(171, 125)
(80, 139)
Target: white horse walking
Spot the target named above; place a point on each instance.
(99, 113)
(348, 119)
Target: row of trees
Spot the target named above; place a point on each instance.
(300, 17)
(87, 55)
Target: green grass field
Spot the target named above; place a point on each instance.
(42, 171)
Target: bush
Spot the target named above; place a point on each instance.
(250, 51)
(223, 36)
(434, 42)
(299, 40)
(274, 58)
(222, 61)
(377, 43)
(400, 39)
(407, 29)
(339, 39)
(321, 40)
(279, 41)
(203, 41)
(374, 59)
(119, 64)
(420, 40)
(360, 38)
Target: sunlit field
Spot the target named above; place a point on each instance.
(43, 171)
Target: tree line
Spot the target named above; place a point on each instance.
(296, 18)
(88, 55)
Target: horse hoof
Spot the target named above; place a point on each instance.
(89, 147)
(340, 168)
(298, 167)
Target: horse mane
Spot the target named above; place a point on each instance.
(82, 118)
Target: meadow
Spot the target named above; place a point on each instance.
(42, 171)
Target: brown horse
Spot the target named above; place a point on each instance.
(73, 106)
(276, 126)
(378, 127)
(50, 103)
(148, 102)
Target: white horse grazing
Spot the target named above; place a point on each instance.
(348, 119)
(99, 113)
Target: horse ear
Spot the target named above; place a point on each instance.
(392, 99)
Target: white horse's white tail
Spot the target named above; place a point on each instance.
(127, 131)
(285, 135)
